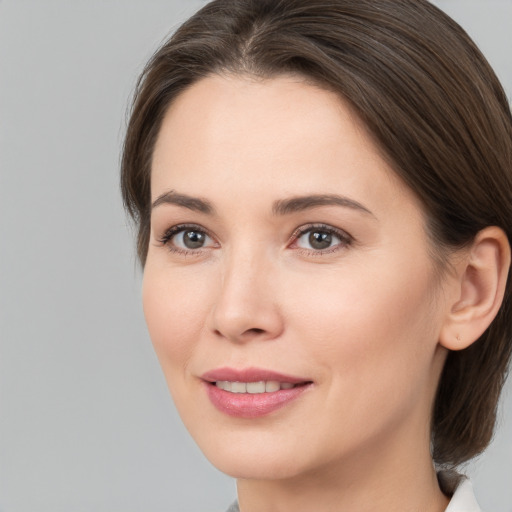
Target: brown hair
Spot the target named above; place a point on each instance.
(430, 100)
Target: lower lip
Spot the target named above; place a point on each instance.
(249, 405)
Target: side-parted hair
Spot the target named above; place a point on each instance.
(432, 104)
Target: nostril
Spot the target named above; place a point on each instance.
(255, 330)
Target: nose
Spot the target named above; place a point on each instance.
(246, 306)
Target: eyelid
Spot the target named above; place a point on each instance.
(345, 238)
(169, 233)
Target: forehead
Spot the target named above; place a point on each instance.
(234, 102)
(281, 133)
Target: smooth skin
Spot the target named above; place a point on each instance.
(236, 277)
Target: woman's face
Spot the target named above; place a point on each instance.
(285, 256)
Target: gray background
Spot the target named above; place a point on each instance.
(86, 423)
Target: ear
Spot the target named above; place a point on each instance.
(478, 289)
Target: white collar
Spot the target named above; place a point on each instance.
(463, 499)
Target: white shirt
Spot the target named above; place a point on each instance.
(463, 500)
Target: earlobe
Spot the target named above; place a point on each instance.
(479, 289)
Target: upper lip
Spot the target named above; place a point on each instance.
(249, 375)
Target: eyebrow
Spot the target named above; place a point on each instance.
(301, 203)
(192, 203)
(280, 207)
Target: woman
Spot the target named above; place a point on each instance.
(323, 191)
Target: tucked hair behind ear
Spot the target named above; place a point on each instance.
(432, 104)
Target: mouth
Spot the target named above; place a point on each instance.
(251, 393)
(255, 388)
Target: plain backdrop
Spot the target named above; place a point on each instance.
(86, 423)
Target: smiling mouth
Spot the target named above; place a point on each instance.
(252, 392)
(269, 386)
(253, 399)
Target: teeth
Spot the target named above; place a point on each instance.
(255, 387)
(224, 384)
(269, 386)
(238, 387)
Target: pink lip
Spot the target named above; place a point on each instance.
(248, 405)
(250, 375)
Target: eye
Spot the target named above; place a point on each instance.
(186, 238)
(190, 239)
(321, 239)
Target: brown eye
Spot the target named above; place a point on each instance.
(185, 238)
(193, 239)
(320, 240)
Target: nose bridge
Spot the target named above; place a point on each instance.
(246, 305)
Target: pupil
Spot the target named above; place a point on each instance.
(320, 240)
(193, 239)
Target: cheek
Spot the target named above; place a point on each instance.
(372, 338)
(368, 323)
(175, 311)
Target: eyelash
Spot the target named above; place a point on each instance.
(345, 238)
(174, 230)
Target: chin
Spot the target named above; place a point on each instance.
(254, 467)
(251, 458)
